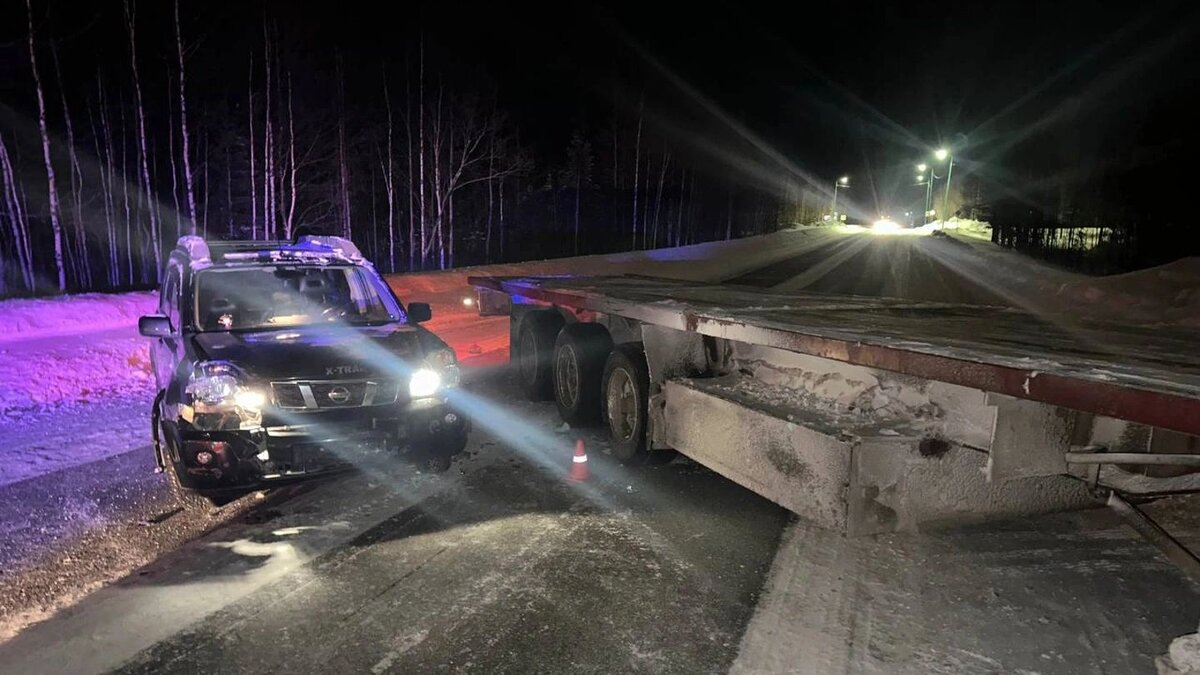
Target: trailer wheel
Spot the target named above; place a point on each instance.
(535, 350)
(625, 393)
(579, 356)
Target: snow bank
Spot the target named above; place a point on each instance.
(69, 314)
(73, 369)
(1167, 294)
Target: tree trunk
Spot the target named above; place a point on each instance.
(84, 272)
(408, 143)
(389, 181)
(290, 223)
(103, 142)
(204, 217)
(52, 186)
(662, 178)
(140, 115)
(421, 148)
(229, 193)
(270, 222)
(343, 167)
(174, 168)
(183, 126)
(578, 189)
(637, 158)
(487, 240)
(253, 172)
(501, 196)
(125, 194)
(729, 217)
(18, 224)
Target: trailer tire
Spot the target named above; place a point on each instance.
(535, 352)
(580, 353)
(624, 403)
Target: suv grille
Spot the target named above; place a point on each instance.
(323, 395)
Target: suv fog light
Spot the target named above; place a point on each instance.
(204, 457)
(451, 419)
(424, 382)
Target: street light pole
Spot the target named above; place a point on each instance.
(942, 154)
(929, 195)
(927, 182)
(844, 182)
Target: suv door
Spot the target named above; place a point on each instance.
(165, 352)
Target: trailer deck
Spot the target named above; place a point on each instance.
(1143, 374)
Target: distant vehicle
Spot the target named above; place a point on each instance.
(278, 361)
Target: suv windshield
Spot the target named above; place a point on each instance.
(281, 296)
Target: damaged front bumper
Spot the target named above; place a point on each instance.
(310, 445)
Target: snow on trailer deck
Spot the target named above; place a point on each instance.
(1144, 374)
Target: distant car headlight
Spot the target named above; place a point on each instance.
(424, 382)
(885, 226)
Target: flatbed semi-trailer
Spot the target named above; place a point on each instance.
(863, 414)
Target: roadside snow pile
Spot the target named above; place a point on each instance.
(70, 314)
(73, 369)
(1167, 294)
(72, 349)
(976, 229)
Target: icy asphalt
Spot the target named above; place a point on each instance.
(500, 565)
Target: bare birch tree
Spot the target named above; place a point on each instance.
(18, 223)
(389, 181)
(51, 184)
(183, 125)
(83, 271)
(143, 151)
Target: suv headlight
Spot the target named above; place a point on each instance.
(217, 386)
(439, 372)
(424, 382)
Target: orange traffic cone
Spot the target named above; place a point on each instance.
(579, 470)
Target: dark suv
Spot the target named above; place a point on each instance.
(276, 361)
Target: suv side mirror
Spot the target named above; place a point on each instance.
(419, 312)
(154, 326)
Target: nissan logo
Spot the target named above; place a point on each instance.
(339, 394)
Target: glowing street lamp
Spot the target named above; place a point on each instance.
(922, 167)
(941, 154)
(844, 183)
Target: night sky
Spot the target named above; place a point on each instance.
(1053, 90)
(837, 87)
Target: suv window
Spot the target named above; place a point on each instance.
(278, 296)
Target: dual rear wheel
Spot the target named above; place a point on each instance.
(591, 381)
